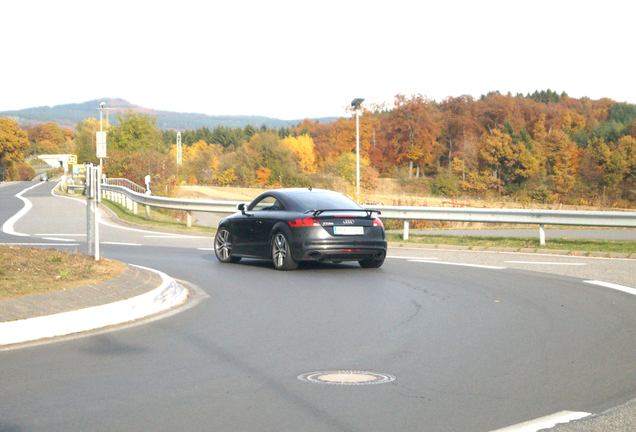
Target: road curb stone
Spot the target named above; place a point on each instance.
(137, 293)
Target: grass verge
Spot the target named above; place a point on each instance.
(25, 270)
(619, 246)
(157, 220)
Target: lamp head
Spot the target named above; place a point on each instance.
(356, 103)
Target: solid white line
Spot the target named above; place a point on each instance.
(7, 227)
(545, 422)
(534, 254)
(546, 263)
(59, 234)
(205, 249)
(410, 257)
(39, 244)
(457, 264)
(57, 239)
(175, 236)
(614, 286)
(121, 243)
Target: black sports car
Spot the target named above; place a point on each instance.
(293, 225)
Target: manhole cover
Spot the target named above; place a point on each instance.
(346, 377)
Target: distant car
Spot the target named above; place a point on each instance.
(44, 178)
(293, 225)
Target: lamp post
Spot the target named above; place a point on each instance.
(356, 104)
(101, 131)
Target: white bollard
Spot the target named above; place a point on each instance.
(405, 235)
(541, 235)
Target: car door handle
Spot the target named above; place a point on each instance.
(260, 222)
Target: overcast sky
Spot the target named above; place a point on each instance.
(297, 59)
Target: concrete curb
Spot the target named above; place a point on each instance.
(166, 296)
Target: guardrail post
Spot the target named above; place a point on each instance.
(541, 234)
(405, 234)
(147, 212)
(135, 208)
(189, 219)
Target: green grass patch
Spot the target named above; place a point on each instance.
(159, 219)
(620, 246)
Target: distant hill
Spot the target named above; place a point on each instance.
(69, 115)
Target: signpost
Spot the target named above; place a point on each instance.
(93, 198)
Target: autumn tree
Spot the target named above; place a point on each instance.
(85, 140)
(49, 138)
(13, 143)
(201, 161)
(414, 128)
(562, 158)
(302, 147)
(136, 132)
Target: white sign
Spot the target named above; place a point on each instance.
(179, 149)
(100, 144)
(147, 180)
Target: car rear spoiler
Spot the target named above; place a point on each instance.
(316, 213)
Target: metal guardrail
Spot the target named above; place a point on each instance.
(124, 182)
(131, 199)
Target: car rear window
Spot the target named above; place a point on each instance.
(323, 201)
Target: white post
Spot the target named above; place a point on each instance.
(89, 205)
(189, 219)
(358, 154)
(96, 201)
(541, 234)
(101, 128)
(405, 234)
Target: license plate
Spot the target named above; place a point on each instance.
(348, 230)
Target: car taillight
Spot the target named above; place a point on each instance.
(377, 222)
(304, 222)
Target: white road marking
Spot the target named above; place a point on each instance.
(457, 264)
(61, 235)
(175, 236)
(410, 257)
(39, 244)
(545, 422)
(7, 227)
(121, 243)
(614, 286)
(57, 239)
(533, 254)
(205, 249)
(546, 263)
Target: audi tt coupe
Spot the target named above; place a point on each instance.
(293, 225)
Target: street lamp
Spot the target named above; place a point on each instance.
(356, 104)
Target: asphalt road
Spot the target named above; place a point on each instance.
(472, 348)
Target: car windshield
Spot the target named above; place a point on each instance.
(323, 201)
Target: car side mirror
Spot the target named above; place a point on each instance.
(241, 207)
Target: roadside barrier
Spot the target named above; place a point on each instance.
(132, 199)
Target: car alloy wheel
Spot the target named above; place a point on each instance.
(223, 246)
(281, 253)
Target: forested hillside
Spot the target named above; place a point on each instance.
(543, 147)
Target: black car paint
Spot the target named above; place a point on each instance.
(252, 232)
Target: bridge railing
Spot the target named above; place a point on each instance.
(131, 199)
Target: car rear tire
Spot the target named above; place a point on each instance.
(281, 253)
(371, 262)
(223, 246)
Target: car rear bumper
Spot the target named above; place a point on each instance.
(344, 250)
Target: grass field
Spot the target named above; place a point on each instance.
(166, 220)
(619, 246)
(26, 271)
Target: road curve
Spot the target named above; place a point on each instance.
(472, 349)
